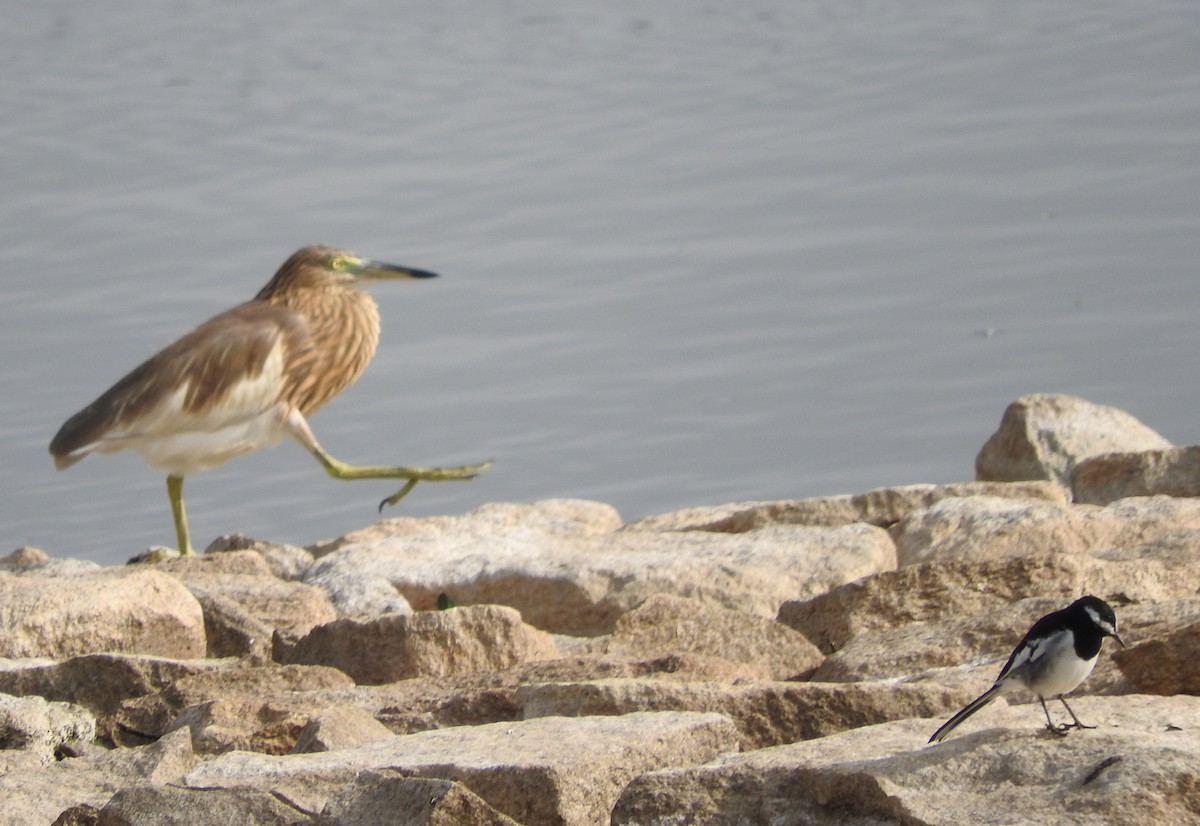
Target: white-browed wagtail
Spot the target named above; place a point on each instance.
(1055, 656)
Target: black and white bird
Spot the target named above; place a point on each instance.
(1055, 656)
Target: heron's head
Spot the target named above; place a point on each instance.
(321, 266)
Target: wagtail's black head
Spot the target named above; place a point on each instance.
(1100, 614)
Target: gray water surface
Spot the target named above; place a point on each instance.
(690, 252)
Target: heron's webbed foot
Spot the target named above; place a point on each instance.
(463, 473)
(340, 470)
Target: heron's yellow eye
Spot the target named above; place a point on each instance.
(339, 262)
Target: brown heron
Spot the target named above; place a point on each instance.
(244, 379)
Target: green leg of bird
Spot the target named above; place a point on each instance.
(341, 470)
(175, 494)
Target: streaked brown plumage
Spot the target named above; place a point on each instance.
(247, 377)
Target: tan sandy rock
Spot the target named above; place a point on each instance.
(765, 713)
(566, 518)
(24, 558)
(704, 517)
(882, 507)
(1043, 436)
(233, 631)
(251, 704)
(229, 563)
(428, 643)
(1170, 471)
(928, 591)
(339, 727)
(101, 683)
(375, 798)
(128, 611)
(292, 608)
(667, 624)
(283, 560)
(358, 594)
(36, 794)
(1166, 664)
(425, 703)
(549, 770)
(980, 643)
(577, 576)
(253, 724)
(41, 727)
(1130, 770)
(262, 709)
(982, 527)
(985, 527)
(140, 805)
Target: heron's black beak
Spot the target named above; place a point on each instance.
(378, 270)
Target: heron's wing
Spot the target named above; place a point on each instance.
(226, 370)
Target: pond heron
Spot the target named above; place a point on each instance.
(244, 379)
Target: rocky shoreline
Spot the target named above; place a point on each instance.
(752, 663)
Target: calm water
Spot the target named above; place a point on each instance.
(691, 252)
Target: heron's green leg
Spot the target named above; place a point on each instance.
(294, 421)
(340, 470)
(175, 494)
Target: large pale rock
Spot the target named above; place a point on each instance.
(934, 591)
(260, 724)
(1130, 770)
(98, 682)
(765, 713)
(882, 507)
(576, 574)
(339, 727)
(376, 798)
(546, 771)
(264, 708)
(117, 610)
(232, 631)
(34, 562)
(983, 527)
(556, 517)
(33, 724)
(1168, 664)
(429, 643)
(173, 806)
(975, 646)
(231, 563)
(1169, 472)
(666, 624)
(34, 794)
(23, 559)
(1043, 436)
(359, 595)
(424, 703)
(292, 608)
(283, 560)
(270, 708)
